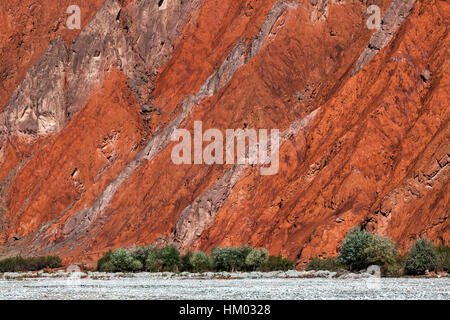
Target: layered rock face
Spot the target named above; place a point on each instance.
(87, 119)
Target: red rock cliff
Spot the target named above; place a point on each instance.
(87, 118)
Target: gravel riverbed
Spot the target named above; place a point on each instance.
(234, 286)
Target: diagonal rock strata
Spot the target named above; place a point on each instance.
(195, 218)
(397, 12)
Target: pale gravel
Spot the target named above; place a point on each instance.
(159, 287)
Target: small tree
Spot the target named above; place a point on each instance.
(186, 265)
(381, 250)
(136, 265)
(221, 258)
(152, 262)
(361, 249)
(330, 264)
(170, 258)
(106, 258)
(122, 259)
(201, 262)
(53, 262)
(141, 253)
(278, 263)
(230, 259)
(443, 258)
(239, 255)
(353, 250)
(256, 258)
(421, 257)
(107, 267)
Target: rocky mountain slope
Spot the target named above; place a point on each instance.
(87, 118)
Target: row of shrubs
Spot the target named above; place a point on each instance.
(361, 249)
(20, 264)
(153, 259)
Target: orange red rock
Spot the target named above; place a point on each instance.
(374, 152)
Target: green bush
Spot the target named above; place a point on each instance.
(123, 260)
(230, 259)
(383, 252)
(20, 264)
(443, 258)
(153, 263)
(186, 265)
(361, 249)
(152, 259)
(106, 258)
(146, 257)
(107, 267)
(141, 253)
(169, 258)
(353, 250)
(421, 257)
(256, 258)
(277, 263)
(201, 262)
(395, 269)
(136, 265)
(330, 264)
(221, 258)
(34, 263)
(14, 264)
(53, 262)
